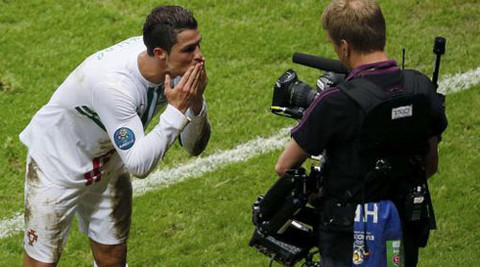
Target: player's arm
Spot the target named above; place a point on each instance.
(139, 152)
(196, 134)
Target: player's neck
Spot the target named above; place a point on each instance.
(150, 69)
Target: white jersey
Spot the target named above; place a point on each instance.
(96, 120)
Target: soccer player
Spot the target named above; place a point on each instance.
(87, 140)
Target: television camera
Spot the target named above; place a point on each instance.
(291, 96)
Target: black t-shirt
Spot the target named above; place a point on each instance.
(332, 124)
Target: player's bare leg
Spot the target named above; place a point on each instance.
(109, 255)
(29, 262)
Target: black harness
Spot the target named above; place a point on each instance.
(392, 142)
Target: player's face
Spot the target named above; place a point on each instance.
(185, 52)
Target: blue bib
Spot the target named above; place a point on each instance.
(377, 235)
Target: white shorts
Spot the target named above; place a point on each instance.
(104, 212)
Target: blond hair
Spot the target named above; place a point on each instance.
(359, 22)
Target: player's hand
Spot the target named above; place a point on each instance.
(197, 102)
(186, 90)
(203, 80)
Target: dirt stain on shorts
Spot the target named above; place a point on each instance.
(31, 183)
(53, 222)
(32, 173)
(122, 205)
(58, 236)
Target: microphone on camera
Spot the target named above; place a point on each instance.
(319, 63)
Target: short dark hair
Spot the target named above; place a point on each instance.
(163, 24)
(359, 22)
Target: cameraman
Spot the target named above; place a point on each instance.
(331, 125)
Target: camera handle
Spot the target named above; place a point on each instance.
(294, 113)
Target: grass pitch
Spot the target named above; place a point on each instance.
(206, 221)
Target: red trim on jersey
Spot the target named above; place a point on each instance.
(95, 175)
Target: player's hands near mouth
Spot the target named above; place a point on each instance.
(197, 103)
(188, 90)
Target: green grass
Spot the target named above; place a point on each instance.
(248, 44)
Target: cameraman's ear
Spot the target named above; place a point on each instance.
(344, 47)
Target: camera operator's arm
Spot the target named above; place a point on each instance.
(311, 134)
(438, 125)
(292, 157)
(431, 159)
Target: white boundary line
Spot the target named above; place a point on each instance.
(459, 82)
(11, 225)
(215, 161)
(450, 84)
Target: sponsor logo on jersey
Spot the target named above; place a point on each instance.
(124, 138)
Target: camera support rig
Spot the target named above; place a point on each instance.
(285, 225)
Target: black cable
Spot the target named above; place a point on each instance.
(366, 252)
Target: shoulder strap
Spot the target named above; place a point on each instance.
(372, 94)
(416, 82)
(368, 97)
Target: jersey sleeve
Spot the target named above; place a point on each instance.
(140, 152)
(439, 121)
(319, 124)
(194, 138)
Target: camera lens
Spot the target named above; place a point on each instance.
(301, 94)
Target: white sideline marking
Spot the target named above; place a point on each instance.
(449, 84)
(11, 225)
(200, 166)
(458, 82)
